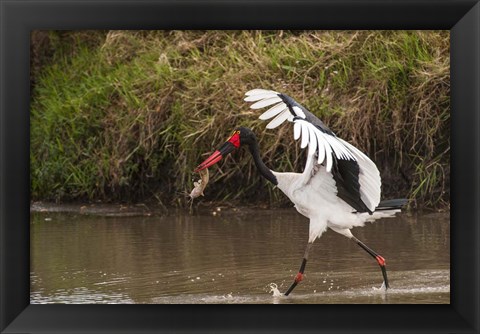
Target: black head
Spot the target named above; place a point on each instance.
(240, 136)
(247, 137)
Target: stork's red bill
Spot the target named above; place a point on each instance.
(228, 147)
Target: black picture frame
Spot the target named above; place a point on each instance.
(18, 18)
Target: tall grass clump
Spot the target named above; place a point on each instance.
(127, 115)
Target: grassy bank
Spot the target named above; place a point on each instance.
(126, 116)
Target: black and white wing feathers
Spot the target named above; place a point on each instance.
(357, 177)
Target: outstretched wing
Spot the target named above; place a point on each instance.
(357, 177)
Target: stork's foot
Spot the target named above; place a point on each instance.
(299, 276)
(380, 260)
(385, 278)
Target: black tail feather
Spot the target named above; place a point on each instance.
(392, 204)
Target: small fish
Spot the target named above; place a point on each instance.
(200, 185)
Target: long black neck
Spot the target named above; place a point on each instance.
(264, 170)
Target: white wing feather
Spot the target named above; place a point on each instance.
(273, 111)
(297, 128)
(305, 135)
(318, 142)
(321, 150)
(279, 119)
(260, 91)
(258, 97)
(266, 102)
(312, 145)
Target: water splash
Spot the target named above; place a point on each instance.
(274, 290)
(383, 288)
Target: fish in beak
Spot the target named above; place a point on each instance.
(228, 147)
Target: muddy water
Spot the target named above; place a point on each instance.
(233, 257)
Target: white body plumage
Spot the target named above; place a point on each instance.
(318, 201)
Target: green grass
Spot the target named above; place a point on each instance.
(127, 115)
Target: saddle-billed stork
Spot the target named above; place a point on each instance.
(339, 187)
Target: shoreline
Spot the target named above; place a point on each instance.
(147, 210)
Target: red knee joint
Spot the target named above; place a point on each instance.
(380, 260)
(299, 277)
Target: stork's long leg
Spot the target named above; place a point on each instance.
(376, 256)
(299, 276)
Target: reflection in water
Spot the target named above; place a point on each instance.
(233, 257)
